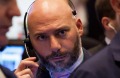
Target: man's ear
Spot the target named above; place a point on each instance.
(79, 26)
(115, 5)
(105, 23)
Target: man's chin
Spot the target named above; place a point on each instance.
(58, 65)
(56, 68)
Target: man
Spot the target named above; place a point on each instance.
(8, 9)
(107, 17)
(105, 64)
(54, 32)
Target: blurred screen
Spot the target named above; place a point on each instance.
(11, 56)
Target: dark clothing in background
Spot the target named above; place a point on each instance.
(105, 64)
(7, 72)
(97, 48)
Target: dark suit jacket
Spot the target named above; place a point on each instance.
(7, 72)
(105, 64)
(97, 48)
(88, 42)
(43, 73)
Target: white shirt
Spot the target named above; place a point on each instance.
(107, 40)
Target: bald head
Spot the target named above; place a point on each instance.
(47, 6)
(44, 10)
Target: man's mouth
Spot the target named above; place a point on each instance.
(58, 58)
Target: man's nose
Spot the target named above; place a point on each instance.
(54, 44)
(14, 10)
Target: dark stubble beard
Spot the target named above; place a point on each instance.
(74, 54)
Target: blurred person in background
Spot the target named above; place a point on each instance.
(108, 20)
(106, 63)
(95, 30)
(8, 9)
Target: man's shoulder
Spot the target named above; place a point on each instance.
(102, 64)
(100, 56)
(98, 60)
(95, 64)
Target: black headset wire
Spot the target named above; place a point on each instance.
(25, 21)
(25, 27)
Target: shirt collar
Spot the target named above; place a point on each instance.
(107, 40)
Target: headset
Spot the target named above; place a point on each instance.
(27, 42)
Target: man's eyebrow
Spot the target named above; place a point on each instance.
(39, 33)
(57, 30)
(61, 28)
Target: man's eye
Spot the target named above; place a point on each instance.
(62, 32)
(42, 37)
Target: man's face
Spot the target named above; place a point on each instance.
(114, 4)
(56, 40)
(8, 9)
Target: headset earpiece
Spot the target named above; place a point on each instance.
(74, 12)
